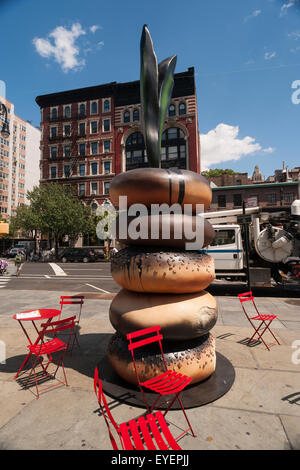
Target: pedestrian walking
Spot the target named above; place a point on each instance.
(19, 260)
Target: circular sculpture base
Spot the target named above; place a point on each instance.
(193, 396)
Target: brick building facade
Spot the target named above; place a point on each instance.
(89, 135)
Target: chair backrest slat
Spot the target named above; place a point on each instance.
(144, 342)
(143, 332)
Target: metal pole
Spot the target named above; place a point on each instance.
(246, 241)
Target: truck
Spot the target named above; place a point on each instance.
(262, 244)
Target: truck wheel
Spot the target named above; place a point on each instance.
(64, 259)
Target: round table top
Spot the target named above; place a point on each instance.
(38, 314)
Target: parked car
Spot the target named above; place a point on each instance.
(77, 254)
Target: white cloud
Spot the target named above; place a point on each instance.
(254, 14)
(61, 44)
(100, 44)
(94, 28)
(286, 6)
(294, 35)
(222, 144)
(270, 55)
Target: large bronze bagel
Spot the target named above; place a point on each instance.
(167, 227)
(195, 358)
(160, 186)
(181, 316)
(152, 270)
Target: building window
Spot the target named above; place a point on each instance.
(94, 188)
(222, 201)
(67, 150)
(182, 109)
(173, 151)
(53, 152)
(271, 198)
(172, 110)
(94, 148)
(53, 113)
(107, 166)
(126, 117)
(53, 132)
(106, 125)
(94, 168)
(238, 182)
(67, 171)
(289, 197)
(67, 130)
(106, 145)
(82, 169)
(94, 107)
(106, 187)
(135, 151)
(82, 109)
(81, 128)
(81, 189)
(82, 150)
(53, 172)
(67, 111)
(136, 115)
(106, 106)
(94, 127)
(237, 200)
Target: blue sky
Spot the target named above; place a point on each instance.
(246, 56)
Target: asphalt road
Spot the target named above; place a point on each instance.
(83, 277)
(96, 278)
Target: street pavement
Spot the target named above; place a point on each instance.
(260, 411)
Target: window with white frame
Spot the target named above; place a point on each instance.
(107, 167)
(67, 171)
(106, 125)
(106, 145)
(82, 149)
(94, 168)
(53, 132)
(82, 169)
(94, 188)
(81, 128)
(94, 127)
(94, 107)
(53, 152)
(67, 130)
(106, 105)
(53, 172)
(82, 109)
(106, 187)
(53, 113)
(126, 116)
(81, 189)
(67, 111)
(94, 148)
(67, 151)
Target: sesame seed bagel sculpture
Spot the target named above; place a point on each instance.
(162, 282)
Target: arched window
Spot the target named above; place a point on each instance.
(173, 149)
(106, 106)
(67, 111)
(135, 152)
(136, 115)
(172, 110)
(82, 109)
(94, 207)
(126, 116)
(94, 107)
(54, 113)
(182, 109)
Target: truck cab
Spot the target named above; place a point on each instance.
(227, 249)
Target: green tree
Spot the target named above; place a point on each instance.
(218, 172)
(53, 211)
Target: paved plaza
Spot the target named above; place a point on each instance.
(260, 411)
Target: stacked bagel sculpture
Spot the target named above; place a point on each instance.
(162, 283)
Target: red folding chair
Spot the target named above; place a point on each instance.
(265, 320)
(149, 432)
(42, 348)
(167, 383)
(72, 300)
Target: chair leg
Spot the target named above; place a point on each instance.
(182, 407)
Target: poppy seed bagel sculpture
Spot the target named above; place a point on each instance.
(163, 283)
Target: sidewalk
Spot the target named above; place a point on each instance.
(260, 411)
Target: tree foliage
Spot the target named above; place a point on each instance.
(218, 172)
(53, 211)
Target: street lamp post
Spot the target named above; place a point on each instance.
(5, 127)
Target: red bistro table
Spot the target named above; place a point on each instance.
(34, 315)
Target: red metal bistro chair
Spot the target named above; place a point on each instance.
(167, 383)
(265, 320)
(42, 348)
(72, 300)
(149, 432)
